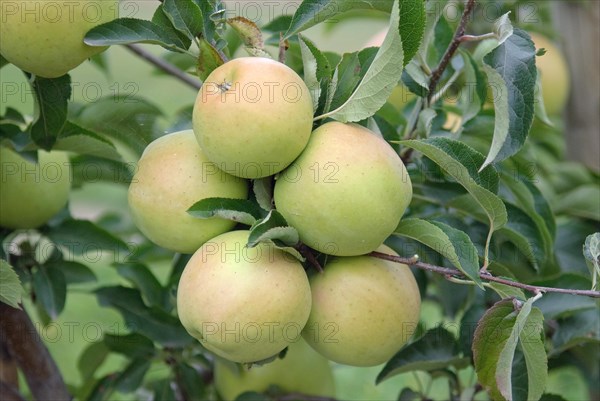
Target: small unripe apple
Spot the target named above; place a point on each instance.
(346, 192)
(244, 304)
(45, 37)
(31, 193)
(173, 174)
(364, 309)
(302, 370)
(253, 116)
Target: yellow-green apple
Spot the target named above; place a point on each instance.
(364, 309)
(253, 116)
(45, 37)
(302, 370)
(173, 174)
(554, 72)
(244, 304)
(31, 193)
(346, 192)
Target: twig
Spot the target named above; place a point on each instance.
(165, 66)
(303, 397)
(307, 253)
(486, 276)
(456, 41)
(27, 349)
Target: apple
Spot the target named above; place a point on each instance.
(173, 174)
(45, 37)
(364, 309)
(31, 193)
(244, 304)
(346, 192)
(302, 370)
(253, 116)
(554, 72)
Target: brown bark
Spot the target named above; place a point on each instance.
(26, 349)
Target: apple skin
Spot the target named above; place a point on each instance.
(253, 116)
(364, 309)
(302, 370)
(45, 37)
(554, 75)
(346, 192)
(31, 193)
(173, 174)
(243, 304)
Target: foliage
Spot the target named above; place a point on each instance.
(495, 193)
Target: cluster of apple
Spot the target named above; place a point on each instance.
(341, 186)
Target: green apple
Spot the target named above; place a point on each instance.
(31, 193)
(253, 116)
(244, 304)
(302, 370)
(173, 174)
(346, 192)
(554, 72)
(364, 309)
(45, 37)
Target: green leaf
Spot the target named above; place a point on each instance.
(591, 253)
(10, 285)
(472, 97)
(273, 227)
(192, 387)
(534, 351)
(151, 322)
(161, 19)
(239, 210)
(81, 236)
(51, 98)
(209, 60)
(540, 107)
(129, 119)
(507, 291)
(379, 80)
(79, 140)
(411, 18)
(95, 169)
(460, 162)
(575, 330)
(505, 358)
(104, 388)
(122, 31)
(3, 61)
(50, 289)
(415, 79)
(503, 28)
(317, 69)
(313, 12)
(91, 359)
(185, 16)
(437, 349)
(263, 192)
(491, 335)
(143, 279)
(522, 231)
(131, 378)
(511, 68)
(74, 272)
(453, 244)
(583, 201)
(132, 345)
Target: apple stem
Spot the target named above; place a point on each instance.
(309, 256)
